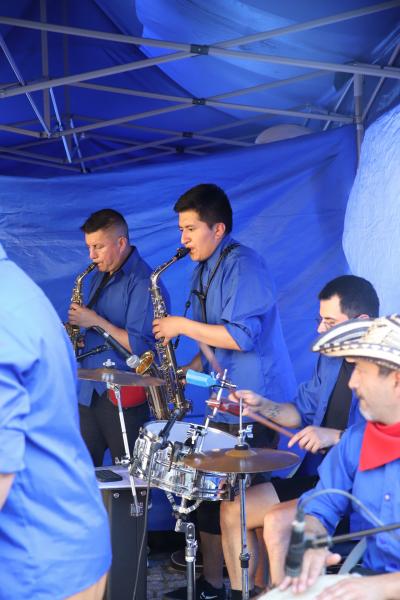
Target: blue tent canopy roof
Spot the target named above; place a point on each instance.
(100, 84)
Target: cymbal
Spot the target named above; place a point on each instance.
(119, 377)
(241, 460)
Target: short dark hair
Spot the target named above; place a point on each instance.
(210, 202)
(357, 295)
(105, 219)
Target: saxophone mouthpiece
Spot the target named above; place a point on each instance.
(182, 252)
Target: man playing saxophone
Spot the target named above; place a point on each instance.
(119, 302)
(234, 311)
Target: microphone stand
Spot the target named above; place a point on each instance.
(137, 509)
(328, 541)
(95, 350)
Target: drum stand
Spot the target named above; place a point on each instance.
(136, 509)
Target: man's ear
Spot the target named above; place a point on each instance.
(220, 229)
(397, 378)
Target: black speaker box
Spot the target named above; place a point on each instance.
(127, 533)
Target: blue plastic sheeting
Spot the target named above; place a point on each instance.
(289, 200)
(371, 235)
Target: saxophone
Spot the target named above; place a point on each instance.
(74, 331)
(172, 392)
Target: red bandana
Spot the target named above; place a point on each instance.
(380, 445)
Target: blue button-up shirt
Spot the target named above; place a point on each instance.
(125, 301)
(54, 538)
(378, 489)
(242, 298)
(312, 401)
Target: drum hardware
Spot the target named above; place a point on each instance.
(241, 460)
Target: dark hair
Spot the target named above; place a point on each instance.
(210, 202)
(105, 219)
(357, 295)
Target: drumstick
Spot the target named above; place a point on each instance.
(233, 408)
(268, 423)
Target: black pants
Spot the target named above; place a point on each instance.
(101, 428)
(207, 515)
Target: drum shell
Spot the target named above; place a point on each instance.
(170, 474)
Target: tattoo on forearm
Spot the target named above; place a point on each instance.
(272, 411)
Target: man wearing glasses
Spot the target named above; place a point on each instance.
(322, 409)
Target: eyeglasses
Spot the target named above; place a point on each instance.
(330, 322)
(327, 321)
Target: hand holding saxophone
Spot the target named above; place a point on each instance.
(166, 328)
(82, 316)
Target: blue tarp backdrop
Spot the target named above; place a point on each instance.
(289, 201)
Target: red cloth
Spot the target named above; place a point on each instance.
(130, 396)
(380, 445)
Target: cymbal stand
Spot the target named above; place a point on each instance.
(137, 509)
(215, 409)
(244, 556)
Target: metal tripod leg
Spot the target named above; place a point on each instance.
(244, 553)
(190, 555)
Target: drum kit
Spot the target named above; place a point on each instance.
(193, 462)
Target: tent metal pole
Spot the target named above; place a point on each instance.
(20, 131)
(121, 120)
(60, 125)
(372, 70)
(287, 112)
(132, 66)
(358, 92)
(45, 64)
(132, 160)
(127, 39)
(18, 75)
(39, 162)
(380, 83)
(77, 147)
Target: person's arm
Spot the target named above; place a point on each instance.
(378, 587)
(212, 335)
(86, 317)
(283, 413)
(313, 438)
(6, 481)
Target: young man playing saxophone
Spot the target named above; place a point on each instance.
(119, 302)
(235, 312)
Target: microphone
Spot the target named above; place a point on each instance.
(132, 360)
(297, 546)
(164, 433)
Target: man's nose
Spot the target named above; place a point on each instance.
(92, 253)
(184, 237)
(322, 327)
(353, 380)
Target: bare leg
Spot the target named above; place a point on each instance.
(258, 499)
(213, 558)
(261, 574)
(277, 528)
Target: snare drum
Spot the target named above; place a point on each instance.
(169, 473)
(323, 582)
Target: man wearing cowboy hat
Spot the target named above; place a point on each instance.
(366, 463)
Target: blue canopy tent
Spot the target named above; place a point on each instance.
(127, 104)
